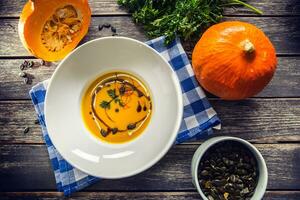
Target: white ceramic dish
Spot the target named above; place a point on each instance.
(262, 167)
(63, 113)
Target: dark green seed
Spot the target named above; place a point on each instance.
(144, 108)
(241, 172)
(26, 130)
(90, 113)
(30, 64)
(113, 29)
(25, 63)
(204, 173)
(131, 126)
(217, 182)
(210, 197)
(100, 27)
(106, 25)
(103, 132)
(37, 121)
(26, 80)
(245, 191)
(117, 110)
(22, 66)
(22, 74)
(114, 130)
(240, 186)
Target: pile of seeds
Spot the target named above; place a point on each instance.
(228, 171)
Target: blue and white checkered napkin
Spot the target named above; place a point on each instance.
(198, 116)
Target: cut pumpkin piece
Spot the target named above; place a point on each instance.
(52, 29)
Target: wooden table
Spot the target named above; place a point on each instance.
(271, 120)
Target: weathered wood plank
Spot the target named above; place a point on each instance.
(270, 195)
(27, 167)
(257, 120)
(284, 32)
(12, 8)
(284, 84)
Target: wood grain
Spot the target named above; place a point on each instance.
(283, 32)
(270, 195)
(257, 120)
(284, 84)
(12, 8)
(27, 167)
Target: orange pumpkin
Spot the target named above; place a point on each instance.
(234, 60)
(50, 29)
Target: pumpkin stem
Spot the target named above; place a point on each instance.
(248, 46)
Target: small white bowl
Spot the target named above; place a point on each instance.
(63, 107)
(262, 168)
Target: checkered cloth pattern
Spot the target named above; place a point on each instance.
(198, 116)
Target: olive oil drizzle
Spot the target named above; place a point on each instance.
(124, 82)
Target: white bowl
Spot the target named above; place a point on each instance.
(262, 168)
(63, 113)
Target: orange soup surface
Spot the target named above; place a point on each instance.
(116, 107)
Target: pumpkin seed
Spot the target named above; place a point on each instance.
(100, 27)
(131, 126)
(113, 29)
(22, 74)
(114, 130)
(106, 25)
(26, 80)
(103, 132)
(204, 173)
(26, 130)
(37, 121)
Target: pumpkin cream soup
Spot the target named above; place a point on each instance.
(116, 107)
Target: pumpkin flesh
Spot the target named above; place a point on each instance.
(234, 60)
(51, 29)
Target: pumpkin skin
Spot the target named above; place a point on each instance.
(234, 60)
(35, 18)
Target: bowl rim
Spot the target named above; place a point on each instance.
(263, 178)
(176, 126)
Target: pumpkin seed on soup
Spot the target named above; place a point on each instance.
(228, 171)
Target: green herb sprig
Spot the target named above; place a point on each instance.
(184, 18)
(114, 97)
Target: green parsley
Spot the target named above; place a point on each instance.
(184, 18)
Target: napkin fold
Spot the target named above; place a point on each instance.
(198, 115)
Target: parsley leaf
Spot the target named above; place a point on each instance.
(119, 102)
(105, 104)
(112, 93)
